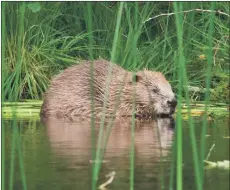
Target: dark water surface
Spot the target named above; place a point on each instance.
(57, 155)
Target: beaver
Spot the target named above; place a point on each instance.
(70, 92)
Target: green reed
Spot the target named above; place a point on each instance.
(134, 60)
(11, 182)
(15, 91)
(182, 80)
(21, 161)
(207, 93)
(16, 148)
(19, 52)
(102, 122)
(181, 60)
(182, 74)
(93, 142)
(3, 97)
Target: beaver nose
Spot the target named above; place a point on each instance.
(173, 102)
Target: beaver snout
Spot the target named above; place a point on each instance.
(172, 104)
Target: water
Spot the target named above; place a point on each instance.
(57, 155)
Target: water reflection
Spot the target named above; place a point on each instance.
(57, 156)
(152, 143)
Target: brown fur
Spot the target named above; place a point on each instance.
(70, 92)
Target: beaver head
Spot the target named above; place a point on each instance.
(153, 91)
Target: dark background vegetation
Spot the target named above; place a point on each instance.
(39, 39)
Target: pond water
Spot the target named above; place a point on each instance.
(58, 155)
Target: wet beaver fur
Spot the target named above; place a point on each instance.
(69, 94)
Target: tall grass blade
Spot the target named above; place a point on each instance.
(108, 79)
(21, 161)
(3, 69)
(12, 158)
(183, 75)
(179, 174)
(90, 44)
(19, 51)
(207, 86)
(172, 168)
(134, 55)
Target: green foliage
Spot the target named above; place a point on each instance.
(34, 6)
(43, 50)
(54, 35)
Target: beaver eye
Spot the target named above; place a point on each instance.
(156, 90)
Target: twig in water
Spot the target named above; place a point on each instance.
(111, 175)
(210, 151)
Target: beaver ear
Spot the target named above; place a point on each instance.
(137, 78)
